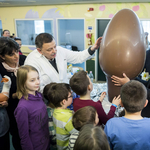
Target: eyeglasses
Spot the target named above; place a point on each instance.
(70, 95)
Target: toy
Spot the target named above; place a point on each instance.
(4, 95)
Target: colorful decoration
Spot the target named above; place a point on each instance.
(53, 13)
(136, 8)
(90, 9)
(89, 36)
(102, 8)
(111, 15)
(88, 15)
(32, 14)
(145, 75)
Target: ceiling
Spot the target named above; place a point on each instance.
(12, 3)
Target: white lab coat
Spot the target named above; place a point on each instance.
(47, 72)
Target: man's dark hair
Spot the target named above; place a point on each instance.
(79, 82)
(5, 31)
(17, 38)
(56, 93)
(91, 138)
(82, 116)
(43, 38)
(133, 96)
(7, 46)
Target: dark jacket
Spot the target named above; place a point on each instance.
(12, 103)
(146, 110)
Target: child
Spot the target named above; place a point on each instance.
(91, 138)
(131, 131)
(31, 115)
(59, 94)
(83, 116)
(82, 85)
(50, 110)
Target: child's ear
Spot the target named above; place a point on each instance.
(146, 103)
(63, 102)
(121, 104)
(89, 87)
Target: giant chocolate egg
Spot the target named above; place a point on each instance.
(122, 49)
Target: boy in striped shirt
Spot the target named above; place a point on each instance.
(60, 96)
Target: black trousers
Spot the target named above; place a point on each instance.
(15, 135)
(5, 142)
(13, 130)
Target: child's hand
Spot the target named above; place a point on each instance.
(120, 81)
(4, 104)
(101, 98)
(116, 100)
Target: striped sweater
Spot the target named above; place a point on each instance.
(62, 119)
(72, 140)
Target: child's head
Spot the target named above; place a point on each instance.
(133, 96)
(80, 83)
(45, 93)
(91, 138)
(85, 115)
(27, 81)
(59, 94)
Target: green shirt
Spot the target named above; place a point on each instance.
(62, 119)
(52, 132)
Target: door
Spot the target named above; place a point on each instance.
(101, 25)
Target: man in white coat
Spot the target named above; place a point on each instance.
(51, 60)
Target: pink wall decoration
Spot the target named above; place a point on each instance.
(136, 8)
(102, 8)
(111, 15)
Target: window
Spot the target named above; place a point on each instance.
(146, 27)
(27, 30)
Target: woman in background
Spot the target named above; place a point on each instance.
(9, 63)
(18, 40)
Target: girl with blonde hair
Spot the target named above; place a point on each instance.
(31, 114)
